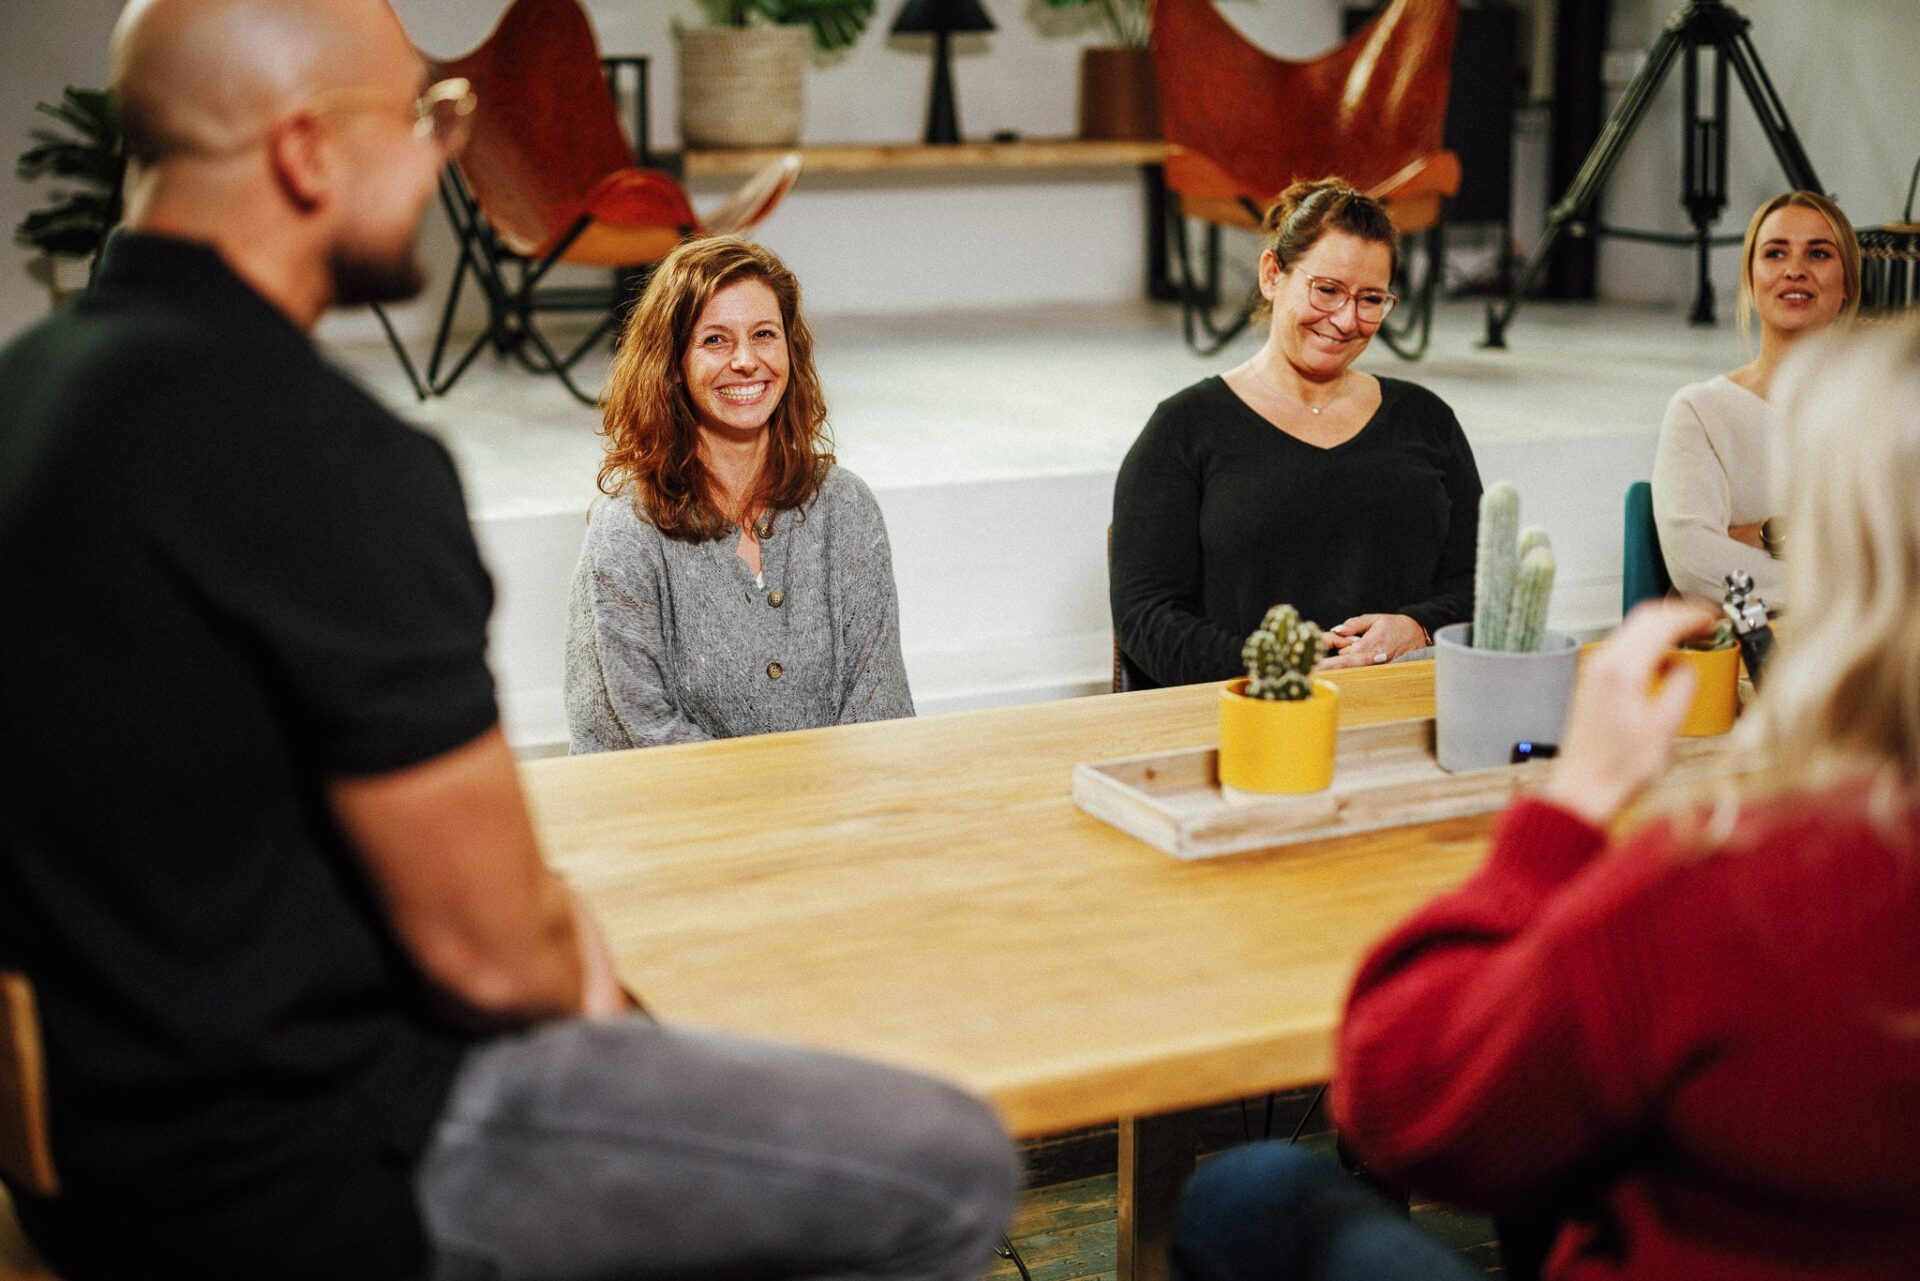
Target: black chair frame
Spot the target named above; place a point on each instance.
(511, 282)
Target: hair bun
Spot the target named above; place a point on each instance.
(1298, 193)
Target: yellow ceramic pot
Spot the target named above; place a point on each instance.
(1716, 690)
(1272, 746)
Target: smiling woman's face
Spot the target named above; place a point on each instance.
(736, 361)
(1797, 278)
(1322, 344)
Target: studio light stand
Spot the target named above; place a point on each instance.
(1697, 25)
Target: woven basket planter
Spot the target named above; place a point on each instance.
(742, 86)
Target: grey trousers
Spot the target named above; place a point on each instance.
(630, 1149)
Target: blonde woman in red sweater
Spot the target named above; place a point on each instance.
(1699, 1044)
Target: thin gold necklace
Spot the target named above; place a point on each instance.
(1339, 389)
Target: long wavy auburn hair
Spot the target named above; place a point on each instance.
(652, 431)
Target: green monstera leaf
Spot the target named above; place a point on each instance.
(836, 23)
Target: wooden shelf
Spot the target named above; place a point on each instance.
(1026, 153)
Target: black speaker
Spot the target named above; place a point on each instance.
(1480, 101)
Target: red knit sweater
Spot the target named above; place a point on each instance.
(1713, 1061)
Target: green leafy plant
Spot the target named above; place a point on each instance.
(1280, 656)
(87, 155)
(835, 23)
(1512, 575)
(1128, 21)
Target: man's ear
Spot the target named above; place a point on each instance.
(302, 159)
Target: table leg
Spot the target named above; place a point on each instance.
(1157, 1153)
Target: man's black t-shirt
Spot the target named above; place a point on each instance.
(226, 575)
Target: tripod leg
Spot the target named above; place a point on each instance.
(1593, 175)
(1704, 160)
(1738, 50)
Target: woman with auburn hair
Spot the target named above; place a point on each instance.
(1698, 1043)
(735, 580)
(1295, 477)
(1713, 496)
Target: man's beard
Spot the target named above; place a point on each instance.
(359, 278)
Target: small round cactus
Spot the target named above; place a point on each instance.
(1280, 656)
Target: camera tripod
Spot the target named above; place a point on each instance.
(1696, 25)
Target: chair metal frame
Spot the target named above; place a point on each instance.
(550, 179)
(510, 308)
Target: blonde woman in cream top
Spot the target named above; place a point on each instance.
(1712, 489)
(1713, 497)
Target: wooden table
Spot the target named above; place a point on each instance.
(925, 893)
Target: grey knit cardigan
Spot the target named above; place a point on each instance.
(673, 642)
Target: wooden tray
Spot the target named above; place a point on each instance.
(1385, 775)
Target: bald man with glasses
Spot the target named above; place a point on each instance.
(313, 1005)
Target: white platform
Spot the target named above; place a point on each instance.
(991, 440)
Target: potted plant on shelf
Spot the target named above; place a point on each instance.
(68, 231)
(1503, 680)
(1278, 724)
(1117, 94)
(1715, 660)
(742, 79)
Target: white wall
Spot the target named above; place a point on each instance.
(1845, 70)
(43, 47)
(858, 245)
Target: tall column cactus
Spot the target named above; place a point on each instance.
(1280, 655)
(1513, 575)
(1494, 562)
(1527, 615)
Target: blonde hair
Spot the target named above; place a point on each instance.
(1843, 237)
(652, 431)
(1842, 697)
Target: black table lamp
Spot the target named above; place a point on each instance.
(939, 19)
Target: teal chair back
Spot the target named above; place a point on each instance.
(1643, 570)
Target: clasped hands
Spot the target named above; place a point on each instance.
(1366, 639)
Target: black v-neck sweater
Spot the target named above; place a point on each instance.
(1218, 515)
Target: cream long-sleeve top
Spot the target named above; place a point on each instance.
(1712, 471)
(674, 642)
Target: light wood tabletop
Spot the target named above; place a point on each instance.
(925, 892)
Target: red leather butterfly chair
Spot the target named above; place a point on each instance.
(1242, 124)
(547, 178)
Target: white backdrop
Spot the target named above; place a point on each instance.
(1845, 68)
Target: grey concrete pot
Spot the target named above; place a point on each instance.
(1487, 700)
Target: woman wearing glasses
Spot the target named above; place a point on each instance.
(1294, 477)
(1712, 493)
(735, 580)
